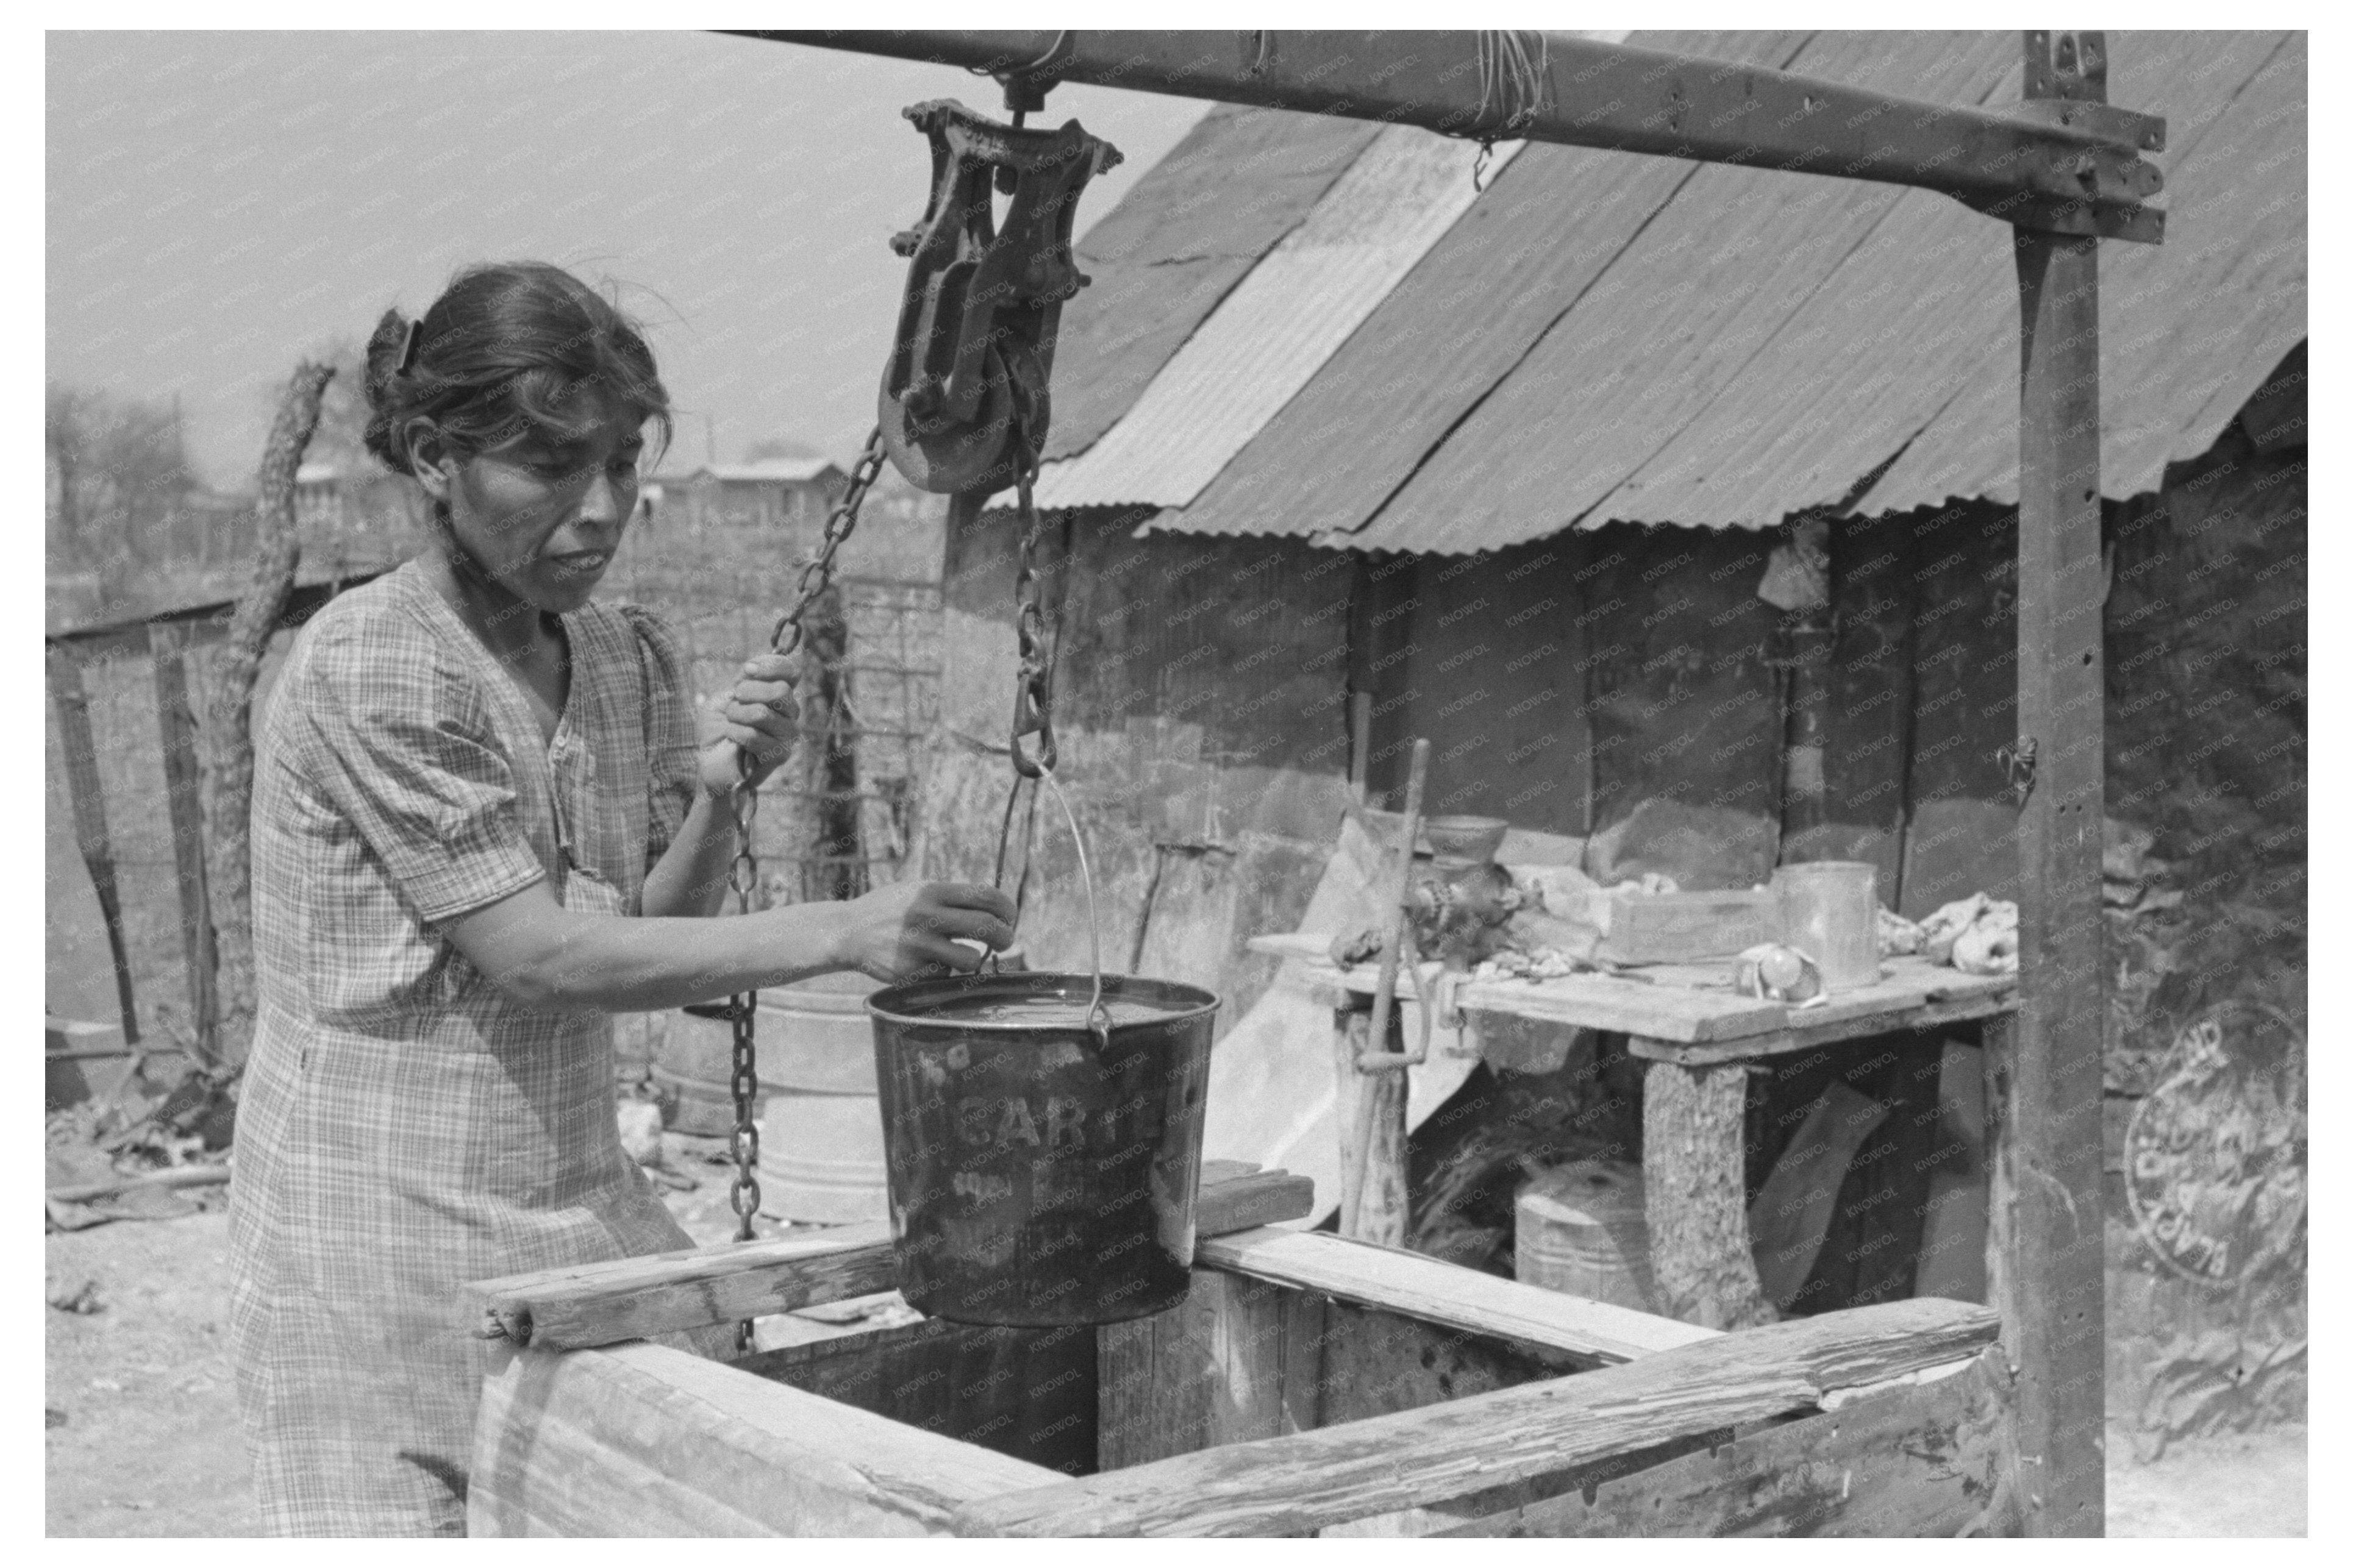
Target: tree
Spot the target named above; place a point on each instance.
(118, 473)
(67, 439)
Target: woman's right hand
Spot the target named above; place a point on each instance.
(907, 931)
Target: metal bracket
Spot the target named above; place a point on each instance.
(2066, 84)
(2018, 762)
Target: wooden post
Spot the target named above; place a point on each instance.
(1694, 1200)
(228, 804)
(1374, 1205)
(2043, 1072)
(89, 801)
(175, 721)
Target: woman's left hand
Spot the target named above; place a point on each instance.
(762, 717)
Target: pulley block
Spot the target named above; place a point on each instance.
(963, 403)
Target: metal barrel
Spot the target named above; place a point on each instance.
(1581, 1231)
(1037, 1176)
(813, 1040)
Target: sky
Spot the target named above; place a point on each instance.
(220, 204)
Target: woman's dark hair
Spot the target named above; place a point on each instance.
(510, 348)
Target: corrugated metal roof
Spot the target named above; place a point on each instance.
(1612, 337)
(1183, 236)
(1279, 325)
(1539, 244)
(1777, 322)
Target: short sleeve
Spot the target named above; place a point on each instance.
(395, 731)
(673, 747)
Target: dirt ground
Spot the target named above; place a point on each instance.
(149, 1442)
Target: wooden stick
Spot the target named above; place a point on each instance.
(229, 734)
(87, 797)
(183, 792)
(1377, 1103)
(178, 1177)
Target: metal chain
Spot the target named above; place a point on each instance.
(743, 875)
(1033, 707)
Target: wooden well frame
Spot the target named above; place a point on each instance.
(1309, 1385)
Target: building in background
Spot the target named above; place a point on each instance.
(772, 493)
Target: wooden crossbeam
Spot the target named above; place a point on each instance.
(2076, 171)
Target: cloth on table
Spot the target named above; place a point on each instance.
(405, 1128)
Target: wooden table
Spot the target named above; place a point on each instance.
(1699, 1037)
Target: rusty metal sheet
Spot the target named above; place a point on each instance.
(1277, 326)
(1184, 234)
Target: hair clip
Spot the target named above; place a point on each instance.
(409, 348)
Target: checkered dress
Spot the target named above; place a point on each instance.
(405, 1128)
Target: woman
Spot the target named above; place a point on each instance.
(482, 825)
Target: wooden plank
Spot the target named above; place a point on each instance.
(632, 1298)
(183, 800)
(1206, 1372)
(1248, 1202)
(1029, 1392)
(1914, 1460)
(1593, 1333)
(1790, 1042)
(1244, 1359)
(645, 1440)
(2046, 1161)
(1378, 1364)
(1693, 1197)
(88, 799)
(1428, 1456)
(1686, 1004)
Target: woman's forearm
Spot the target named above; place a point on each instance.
(550, 959)
(691, 878)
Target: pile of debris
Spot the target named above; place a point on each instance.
(156, 1148)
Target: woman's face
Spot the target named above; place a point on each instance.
(542, 517)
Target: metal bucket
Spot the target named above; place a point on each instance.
(1037, 1177)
